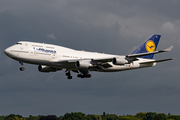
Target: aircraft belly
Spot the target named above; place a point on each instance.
(116, 68)
(147, 65)
(122, 67)
(62, 65)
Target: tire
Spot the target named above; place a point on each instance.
(69, 77)
(22, 68)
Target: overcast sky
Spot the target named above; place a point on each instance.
(105, 26)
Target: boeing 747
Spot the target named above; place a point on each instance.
(51, 58)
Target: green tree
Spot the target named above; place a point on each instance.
(61, 117)
(96, 117)
(2, 117)
(160, 116)
(174, 117)
(150, 116)
(49, 117)
(110, 117)
(128, 118)
(13, 117)
(88, 117)
(141, 115)
(33, 117)
(74, 116)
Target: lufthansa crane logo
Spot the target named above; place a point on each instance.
(150, 46)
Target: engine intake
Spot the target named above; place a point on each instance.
(119, 61)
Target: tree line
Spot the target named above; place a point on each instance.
(82, 116)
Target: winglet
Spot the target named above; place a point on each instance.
(168, 49)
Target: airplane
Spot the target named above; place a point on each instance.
(51, 58)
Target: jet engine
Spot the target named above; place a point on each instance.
(83, 64)
(43, 68)
(119, 61)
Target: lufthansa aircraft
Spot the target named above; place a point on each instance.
(52, 58)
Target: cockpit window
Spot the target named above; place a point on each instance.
(18, 43)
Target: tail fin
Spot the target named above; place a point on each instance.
(149, 45)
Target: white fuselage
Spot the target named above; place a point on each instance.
(49, 55)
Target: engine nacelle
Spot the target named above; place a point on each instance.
(83, 64)
(119, 61)
(43, 68)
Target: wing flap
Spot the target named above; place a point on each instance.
(106, 65)
(95, 61)
(101, 60)
(64, 60)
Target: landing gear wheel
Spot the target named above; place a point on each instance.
(79, 75)
(88, 75)
(22, 68)
(84, 74)
(69, 77)
(68, 74)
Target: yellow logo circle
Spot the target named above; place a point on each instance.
(150, 46)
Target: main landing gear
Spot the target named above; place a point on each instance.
(84, 74)
(68, 74)
(21, 68)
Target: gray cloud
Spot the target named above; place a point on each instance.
(51, 36)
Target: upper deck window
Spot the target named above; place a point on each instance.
(37, 46)
(49, 47)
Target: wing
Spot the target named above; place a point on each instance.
(95, 61)
(98, 63)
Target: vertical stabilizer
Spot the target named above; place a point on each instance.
(149, 45)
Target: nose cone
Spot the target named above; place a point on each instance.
(7, 51)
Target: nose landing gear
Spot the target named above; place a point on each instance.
(21, 68)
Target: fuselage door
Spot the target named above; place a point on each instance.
(31, 52)
(53, 55)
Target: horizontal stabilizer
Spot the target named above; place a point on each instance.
(155, 61)
(168, 49)
(148, 53)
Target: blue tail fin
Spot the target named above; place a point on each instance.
(149, 45)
